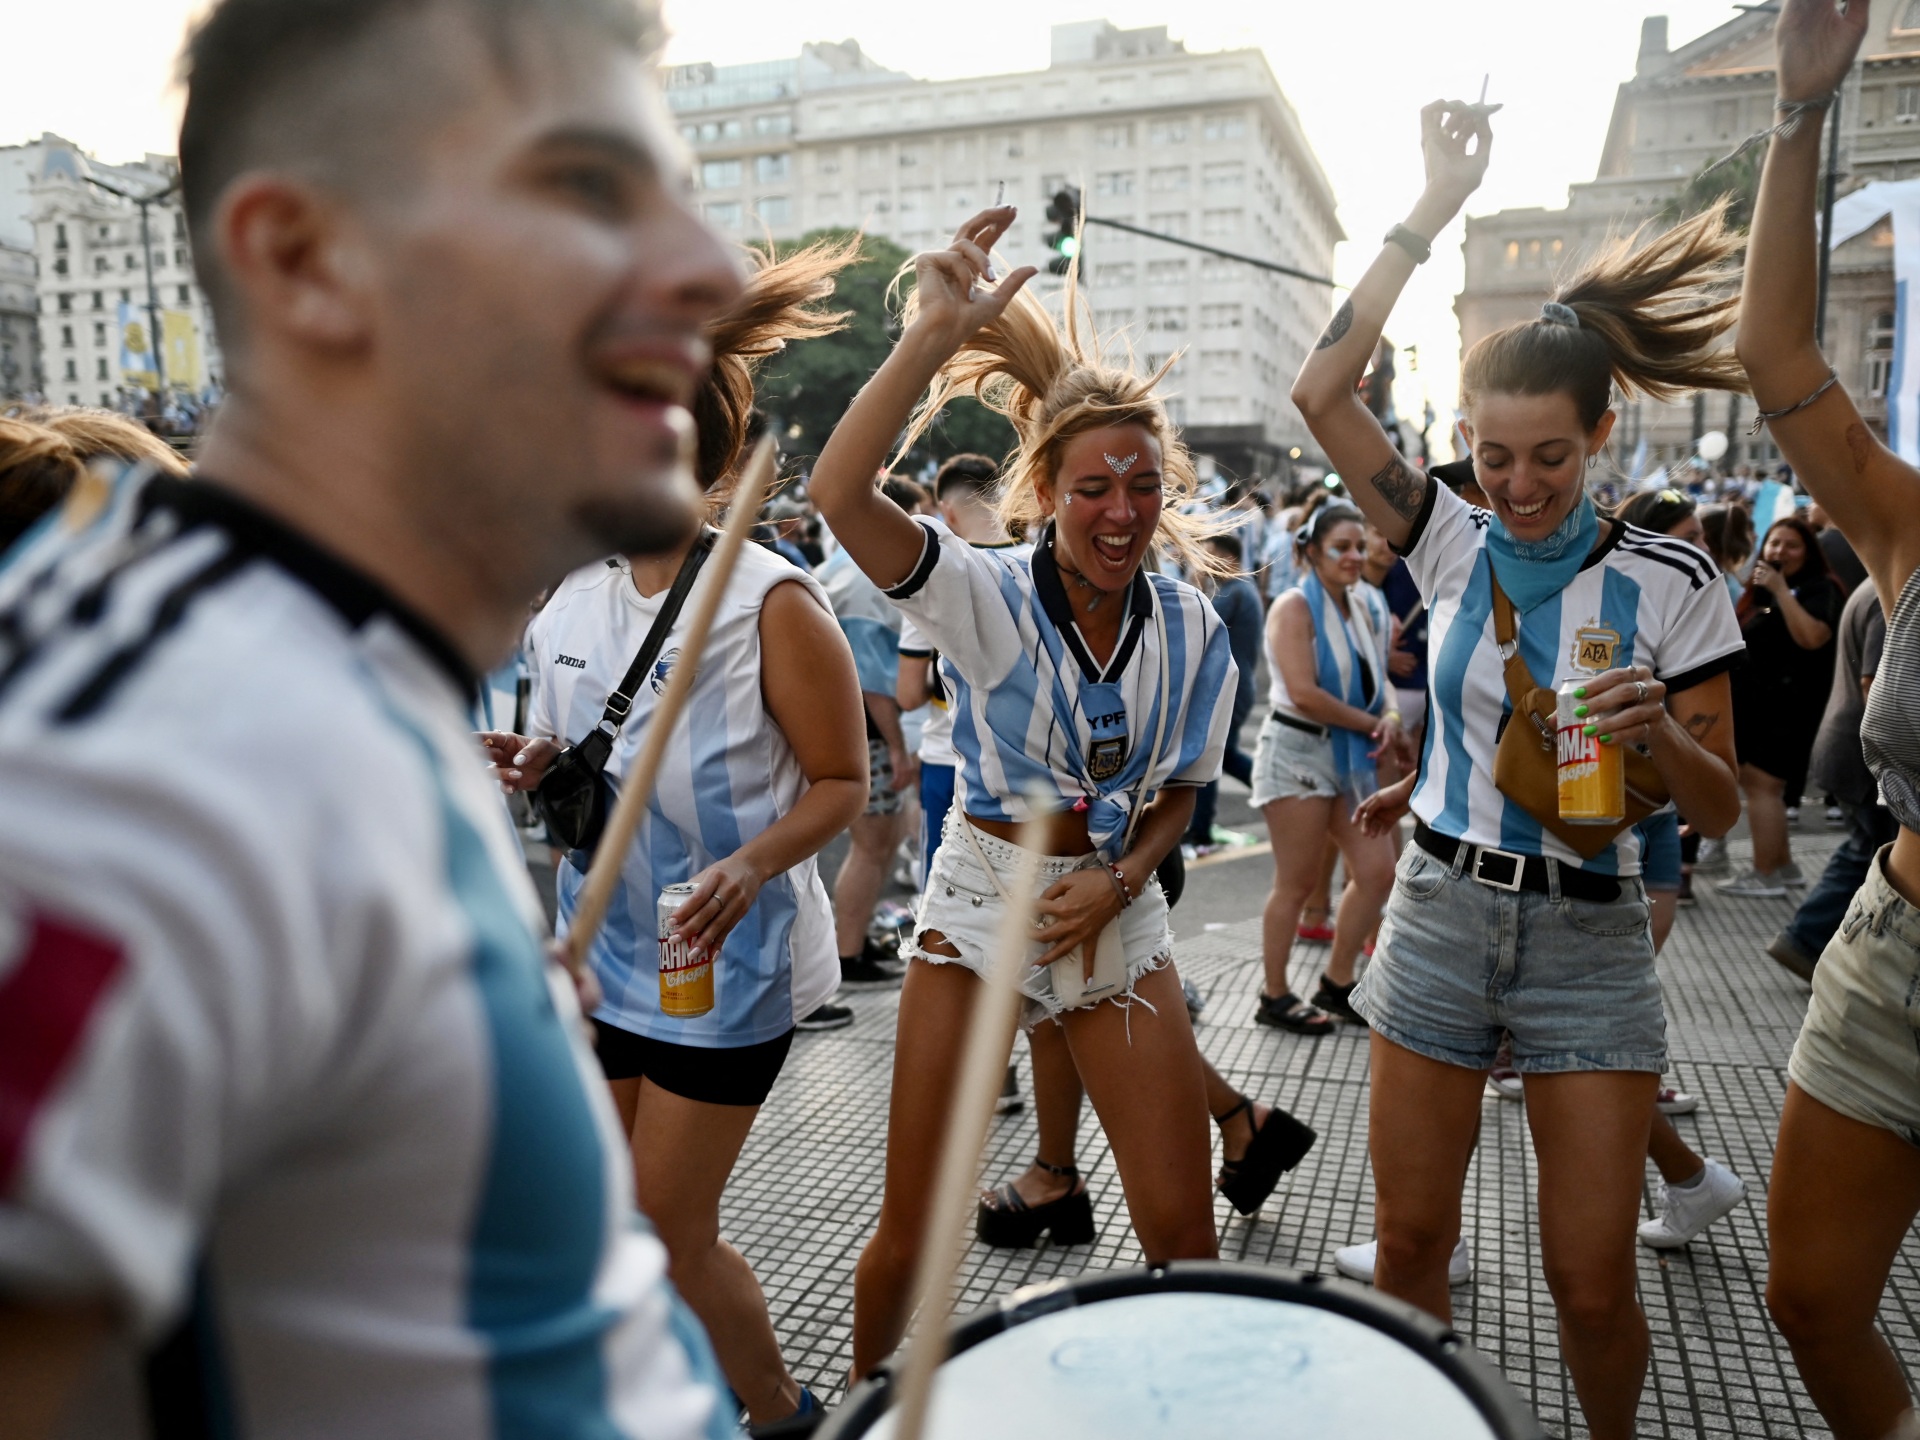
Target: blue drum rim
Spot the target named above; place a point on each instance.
(1447, 1351)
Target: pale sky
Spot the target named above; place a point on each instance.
(1357, 73)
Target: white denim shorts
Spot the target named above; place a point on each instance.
(961, 903)
(1290, 764)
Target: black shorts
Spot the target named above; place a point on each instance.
(740, 1075)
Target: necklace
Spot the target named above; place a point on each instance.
(1093, 602)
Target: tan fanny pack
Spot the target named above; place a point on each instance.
(1526, 767)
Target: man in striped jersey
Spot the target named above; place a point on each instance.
(298, 1133)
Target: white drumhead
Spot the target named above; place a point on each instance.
(1185, 1364)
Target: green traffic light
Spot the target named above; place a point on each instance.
(1069, 246)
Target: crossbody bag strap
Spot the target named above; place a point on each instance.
(620, 702)
(1520, 681)
(1159, 730)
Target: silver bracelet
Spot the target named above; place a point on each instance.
(1833, 379)
(1794, 110)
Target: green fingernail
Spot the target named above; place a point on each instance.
(1589, 729)
(1606, 739)
(1580, 711)
(1581, 693)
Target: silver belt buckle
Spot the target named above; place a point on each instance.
(1480, 854)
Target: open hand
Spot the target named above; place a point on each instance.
(1815, 45)
(1073, 911)
(948, 302)
(1386, 736)
(1622, 707)
(1384, 809)
(1456, 164)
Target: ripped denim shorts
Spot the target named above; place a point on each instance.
(961, 903)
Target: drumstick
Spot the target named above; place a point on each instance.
(608, 857)
(982, 1067)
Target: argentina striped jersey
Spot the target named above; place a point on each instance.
(1025, 740)
(285, 1080)
(1640, 599)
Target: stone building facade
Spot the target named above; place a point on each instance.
(1196, 145)
(1684, 108)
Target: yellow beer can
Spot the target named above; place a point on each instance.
(686, 982)
(1593, 777)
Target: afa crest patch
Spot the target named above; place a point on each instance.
(1594, 647)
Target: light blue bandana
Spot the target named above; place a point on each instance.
(1531, 571)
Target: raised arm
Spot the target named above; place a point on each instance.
(1387, 489)
(1872, 495)
(878, 534)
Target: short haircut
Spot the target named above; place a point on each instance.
(909, 495)
(329, 89)
(975, 475)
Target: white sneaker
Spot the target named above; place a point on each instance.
(1503, 1083)
(1754, 885)
(1684, 1212)
(1356, 1262)
(1676, 1102)
(1789, 874)
(1713, 858)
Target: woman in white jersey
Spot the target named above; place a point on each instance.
(1495, 922)
(1846, 1173)
(1327, 641)
(1089, 698)
(767, 765)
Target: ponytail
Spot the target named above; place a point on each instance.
(1649, 318)
(780, 303)
(1052, 383)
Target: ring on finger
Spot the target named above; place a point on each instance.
(1640, 692)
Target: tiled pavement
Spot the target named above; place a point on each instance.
(804, 1195)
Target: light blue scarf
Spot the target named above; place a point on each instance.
(1531, 571)
(1338, 663)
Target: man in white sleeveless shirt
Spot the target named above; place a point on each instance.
(299, 1136)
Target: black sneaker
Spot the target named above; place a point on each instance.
(826, 1017)
(867, 971)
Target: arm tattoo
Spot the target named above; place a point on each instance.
(1338, 326)
(1701, 725)
(1402, 487)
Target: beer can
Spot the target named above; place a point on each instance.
(686, 981)
(1593, 777)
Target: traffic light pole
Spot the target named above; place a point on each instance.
(153, 295)
(1277, 269)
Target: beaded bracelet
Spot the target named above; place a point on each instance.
(1119, 878)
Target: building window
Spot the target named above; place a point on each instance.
(59, 264)
(1166, 272)
(100, 368)
(1879, 372)
(1169, 179)
(128, 261)
(1510, 257)
(66, 336)
(719, 174)
(724, 215)
(1910, 17)
(873, 157)
(1225, 175)
(99, 301)
(1118, 272)
(100, 264)
(184, 295)
(1113, 182)
(1224, 127)
(1530, 255)
(1111, 322)
(99, 332)
(1220, 224)
(827, 162)
(180, 256)
(1880, 337)
(1906, 104)
(1220, 317)
(913, 155)
(1113, 137)
(772, 169)
(1171, 222)
(1168, 132)
(59, 237)
(773, 210)
(1726, 117)
(777, 124)
(66, 304)
(1166, 319)
(73, 371)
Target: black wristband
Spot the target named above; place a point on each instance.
(1407, 240)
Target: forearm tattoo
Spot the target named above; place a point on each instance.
(1402, 487)
(1338, 326)
(1700, 726)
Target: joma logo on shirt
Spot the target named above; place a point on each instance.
(569, 660)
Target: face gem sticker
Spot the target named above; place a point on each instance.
(1120, 467)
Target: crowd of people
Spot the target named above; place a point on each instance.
(304, 1125)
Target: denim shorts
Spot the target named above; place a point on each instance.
(1859, 1049)
(1660, 850)
(961, 902)
(1458, 962)
(1290, 764)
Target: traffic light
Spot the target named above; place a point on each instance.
(1064, 239)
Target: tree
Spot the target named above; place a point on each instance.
(807, 389)
(1736, 178)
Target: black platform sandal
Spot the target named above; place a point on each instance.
(1337, 1001)
(1004, 1220)
(1280, 1143)
(1290, 1012)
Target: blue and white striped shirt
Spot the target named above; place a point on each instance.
(1021, 729)
(1641, 598)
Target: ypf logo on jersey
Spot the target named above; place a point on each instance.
(1594, 647)
(1107, 721)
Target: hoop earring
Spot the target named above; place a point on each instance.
(1593, 459)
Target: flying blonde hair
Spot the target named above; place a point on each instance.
(1052, 383)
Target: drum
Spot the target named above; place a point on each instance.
(1202, 1349)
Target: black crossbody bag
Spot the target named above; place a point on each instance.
(573, 796)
